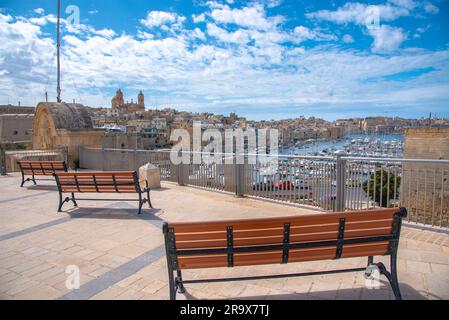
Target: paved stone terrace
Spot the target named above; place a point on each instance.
(121, 254)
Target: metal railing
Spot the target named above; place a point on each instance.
(328, 183)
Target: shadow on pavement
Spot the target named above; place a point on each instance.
(112, 213)
(384, 293)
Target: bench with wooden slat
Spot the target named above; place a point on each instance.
(198, 245)
(100, 182)
(40, 168)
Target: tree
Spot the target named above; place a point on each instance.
(387, 185)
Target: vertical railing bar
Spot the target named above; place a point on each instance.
(395, 186)
(432, 215)
(417, 194)
(381, 182)
(425, 196)
(368, 186)
(388, 186)
(375, 185)
(442, 196)
(359, 186)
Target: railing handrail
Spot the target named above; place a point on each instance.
(440, 161)
(8, 152)
(331, 158)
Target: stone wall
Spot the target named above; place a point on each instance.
(425, 187)
(15, 127)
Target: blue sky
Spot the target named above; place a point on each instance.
(264, 59)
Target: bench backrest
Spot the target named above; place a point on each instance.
(42, 168)
(193, 245)
(102, 182)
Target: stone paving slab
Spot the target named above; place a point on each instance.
(120, 254)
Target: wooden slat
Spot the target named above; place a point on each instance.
(386, 223)
(316, 219)
(275, 257)
(97, 182)
(275, 240)
(41, 168)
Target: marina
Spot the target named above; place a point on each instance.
(361, 145)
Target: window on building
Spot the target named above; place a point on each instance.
(15, 132)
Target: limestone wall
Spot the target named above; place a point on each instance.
(15, 127)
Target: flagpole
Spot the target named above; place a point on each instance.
(58, 45)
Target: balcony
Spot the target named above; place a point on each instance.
(120, 255)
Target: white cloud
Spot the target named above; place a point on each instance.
(39, 11)
(272, 3)
(144, 35)
(359, 13)
(159, 18)
(107, 33)
(92, 12)
(301, 33)
(250, 17)
(347, 38)
(198, 18)
(262, 74)
(386, 38)
(420, 31)
(430, 8)
(409, 4)
(239, 36)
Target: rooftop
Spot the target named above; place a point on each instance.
(121, 255)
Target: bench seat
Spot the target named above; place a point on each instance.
(100, 182)
(281, 240)
(40, 168)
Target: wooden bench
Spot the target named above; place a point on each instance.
(197, 245)
(40, 168)
(100, 182)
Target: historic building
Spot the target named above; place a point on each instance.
(15, 127)
(64, 125)
(119, 106)
(10, 109)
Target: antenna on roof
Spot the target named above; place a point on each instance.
(58, 45)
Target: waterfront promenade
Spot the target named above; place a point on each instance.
(121, 254)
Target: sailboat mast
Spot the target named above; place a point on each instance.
(58, 45)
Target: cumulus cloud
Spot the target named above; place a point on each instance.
(107, 33)
(386, 38)
(198, 18)
(301, 33)
(239, 66)
(430, 8)
(39, 11)
(359, 13)
(239, 36)
(372, 19)
(159, 18)
(250, 17)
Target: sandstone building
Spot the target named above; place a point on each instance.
(10, 109)
(119, 106)
(15, 127)
(64, 125)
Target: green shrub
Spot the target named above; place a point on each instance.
(388, 186)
